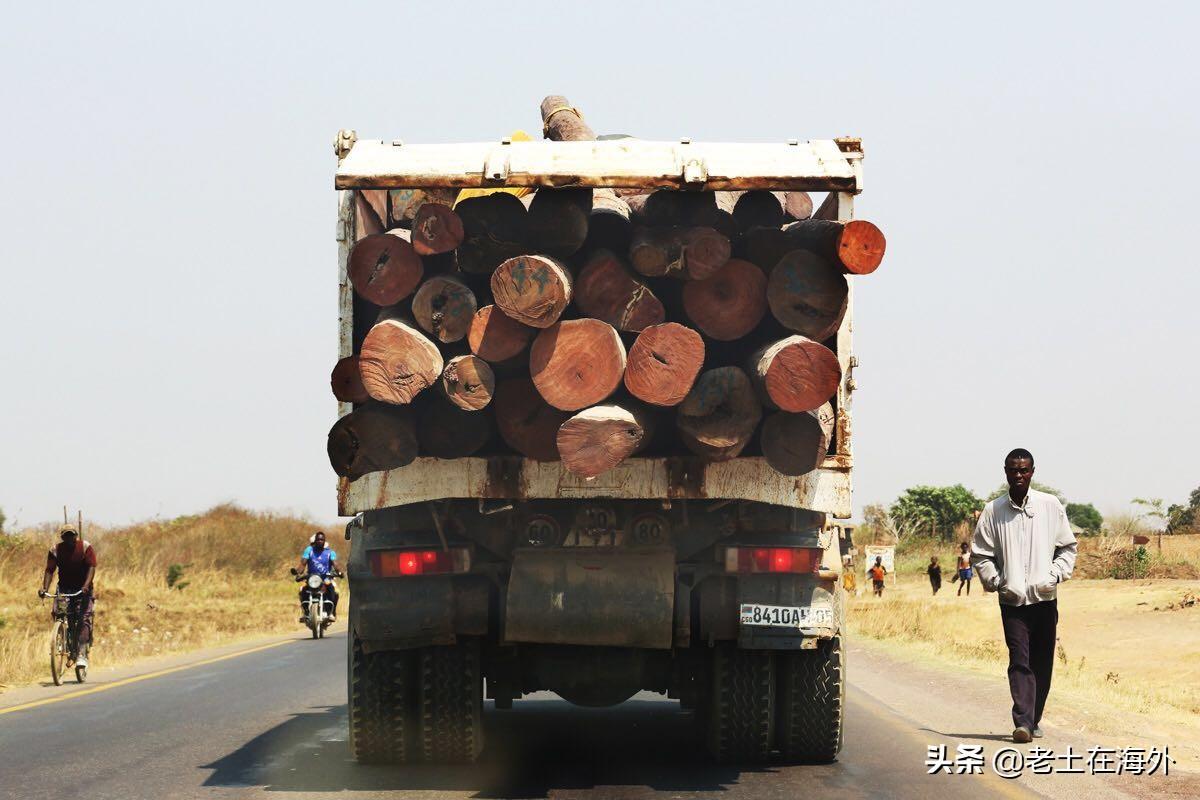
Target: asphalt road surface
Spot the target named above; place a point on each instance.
(274, 720)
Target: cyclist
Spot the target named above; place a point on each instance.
(317, 559)
(75, 561)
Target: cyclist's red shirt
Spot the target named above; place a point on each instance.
(72, 562)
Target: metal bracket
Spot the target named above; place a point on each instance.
(495, 168)
(695, 171)
(343, 142)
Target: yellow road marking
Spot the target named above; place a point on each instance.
(104, 687)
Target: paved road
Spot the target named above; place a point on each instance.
(274, 720)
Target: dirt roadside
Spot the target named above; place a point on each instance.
(955, 705)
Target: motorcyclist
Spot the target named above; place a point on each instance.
(75, 561)
(317, 559)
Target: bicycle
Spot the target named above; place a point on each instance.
(64, 637)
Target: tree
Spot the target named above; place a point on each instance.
(1040, 487)
(1085, 516)
(880, 526)
(936, 509)
(1154, 508)
(1179, 517)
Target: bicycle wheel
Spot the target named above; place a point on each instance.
(80, 674)
(58, 651)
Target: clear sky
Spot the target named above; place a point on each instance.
(168, 280)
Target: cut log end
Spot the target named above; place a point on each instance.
(808, 294)
(577, 363)
(397, 362)
(861, 247)
(527, 423)
(445, 307)
(608, 291)
(534, 290)
(663, 364)
(468, 382)
(346, 381)
(496, 337)
(599, 438)
(796, 444)
(718, 417)
(447, 431)
(370, 439)
(795, 374)
(384, 268)
(436, 229)
(730, 303)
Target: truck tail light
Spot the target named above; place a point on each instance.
(773, 559)
(403, 563)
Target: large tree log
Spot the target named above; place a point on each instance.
(729, 304)
(808, 294)
(719, 415)
(346, 382)
(562, 123)
(599, 438)
(370, 212)
(444, 306)
(494, 230)
(796, 444)
(468, 382)
(856, 246)
(670, 207)
(384, 268)
(558, 221)
(828, 208)
(797, 205)
(795, 374)
(610, 225)
(532, 289)
(606, 290)
(436, 229)
(763, 246)
(396, 361)
(663, 364)
(496, 337)
(694, 253)
(373, 438)
(527, 423)
(577, 363)
(758, 208)
(405, 203)
(447, 431)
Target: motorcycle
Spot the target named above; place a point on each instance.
(318, 611)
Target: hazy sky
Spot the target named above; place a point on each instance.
(168, 283)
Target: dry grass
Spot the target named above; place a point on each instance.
(234, 583)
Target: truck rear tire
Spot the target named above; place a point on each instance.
(382, 712)
(451, 703)
(740, 705)
(812, 701)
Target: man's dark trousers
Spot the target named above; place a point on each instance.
(1029, 632)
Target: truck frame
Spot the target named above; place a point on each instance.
(515, 575)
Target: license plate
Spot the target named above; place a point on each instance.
(786, 616)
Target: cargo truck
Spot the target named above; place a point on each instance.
(494, 576)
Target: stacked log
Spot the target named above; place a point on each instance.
(562, 324)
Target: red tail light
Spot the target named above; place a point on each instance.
(402, 563)
(773, 559)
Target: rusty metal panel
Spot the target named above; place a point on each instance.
(590, 596)
(826, 490)
(817, 165)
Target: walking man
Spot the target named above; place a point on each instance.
(1023, 548)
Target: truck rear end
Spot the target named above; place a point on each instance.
(716, 583)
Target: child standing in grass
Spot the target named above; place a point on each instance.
(935, 574)
(964, 569)
(877, 572)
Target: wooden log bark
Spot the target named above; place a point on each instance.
(794, 374)
(599, 438)
(527, 423)
(558, 221)
(436, 229)
(533, 290)
(797, 205)
(494, 230)
(808, 294)
(828, 208)
(384, 268)
(694, 253)
(663, 364)
(397, 362)
(670, 207)
(796, 444)
(577, 363)
(446, 431)
(610, 225)
(373, 438)
(445, 307)
(729, 304)
(346, 382)
(496, 337)
(468, 382)
(856, 246)
(758, 208)
(562, 123)
(405, 203)
(370, 212)
(719, 415)
(607, 290)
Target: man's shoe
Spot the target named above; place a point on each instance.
(82, 661)
(303, 619)
(1037, 732)
(1022, 735)
(332, 619)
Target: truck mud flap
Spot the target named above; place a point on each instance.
(589, 596)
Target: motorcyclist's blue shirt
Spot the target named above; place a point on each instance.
(319, 563)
